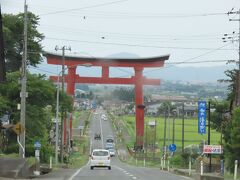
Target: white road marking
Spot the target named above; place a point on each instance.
(186, 177)
(75, 174)
(127, 173)
(101, 131)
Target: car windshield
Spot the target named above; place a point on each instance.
(100, 153)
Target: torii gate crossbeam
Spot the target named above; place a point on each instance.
(138, 80)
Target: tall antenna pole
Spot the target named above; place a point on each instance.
(23, 84)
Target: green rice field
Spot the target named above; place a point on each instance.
(191, 135)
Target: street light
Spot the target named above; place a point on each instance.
(57, 108)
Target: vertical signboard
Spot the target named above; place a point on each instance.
(202, 105)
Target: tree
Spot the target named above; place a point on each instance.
(232, 87)
(13, 40)
(124, 94)
(166, 107)
(232, 140)
(41, 95)
(220, 117)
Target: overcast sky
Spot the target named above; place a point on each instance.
(188, 30)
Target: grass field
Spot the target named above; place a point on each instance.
(191, 135)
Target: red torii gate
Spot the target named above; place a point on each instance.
(138, 80)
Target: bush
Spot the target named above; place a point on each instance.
(45, 153)
(12, 148)
(177, 161)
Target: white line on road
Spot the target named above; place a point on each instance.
(127, 173)
(101, 130)
(186, 177)
(75, 174)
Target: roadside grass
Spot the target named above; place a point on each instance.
(76, 117)
(191, 135)
(80, 155)
(12, 155)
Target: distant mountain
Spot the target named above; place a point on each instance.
(190, 74)
(176, 73)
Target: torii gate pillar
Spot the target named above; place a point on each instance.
(71, 80)
(139, 107)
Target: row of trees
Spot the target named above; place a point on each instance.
(41, 100)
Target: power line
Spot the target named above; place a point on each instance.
(86, 7)
(197, 62)
(135, 45)
(156, 38)
(153, 16)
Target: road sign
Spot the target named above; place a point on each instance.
(18, 129)
(37, 145)
(202, 106)
(212, 149)
(172, 147)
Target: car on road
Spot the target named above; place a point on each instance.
(109, 139)
(109, 146)
(97, 136)
(100, 158)
(104, 117)
(112, 152)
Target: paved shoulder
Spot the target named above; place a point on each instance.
(60, 174)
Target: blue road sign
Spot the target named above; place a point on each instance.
(37, 145)
(172, 147)
(202, 106)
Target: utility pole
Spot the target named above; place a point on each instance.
(2, 57)
(238, 77)
(164, 135)
(63, 49)
(23, 93)
(209, 134)
(183, 112)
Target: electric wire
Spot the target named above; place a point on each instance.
(86, 7)
(134, 45)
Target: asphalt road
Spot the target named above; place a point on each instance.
(120, 171)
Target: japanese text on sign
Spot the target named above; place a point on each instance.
(212, 149)
(202, 117)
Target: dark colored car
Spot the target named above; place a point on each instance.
(109, 139)
(97, 136)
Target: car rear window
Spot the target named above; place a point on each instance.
(110, 140)
(100, 153)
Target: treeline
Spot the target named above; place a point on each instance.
(41, 99)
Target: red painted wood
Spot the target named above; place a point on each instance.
(139, 102)
(71, 80)
(99, 80)
(64, 131)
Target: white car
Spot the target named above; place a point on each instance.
(112, 152)
(100, 158)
